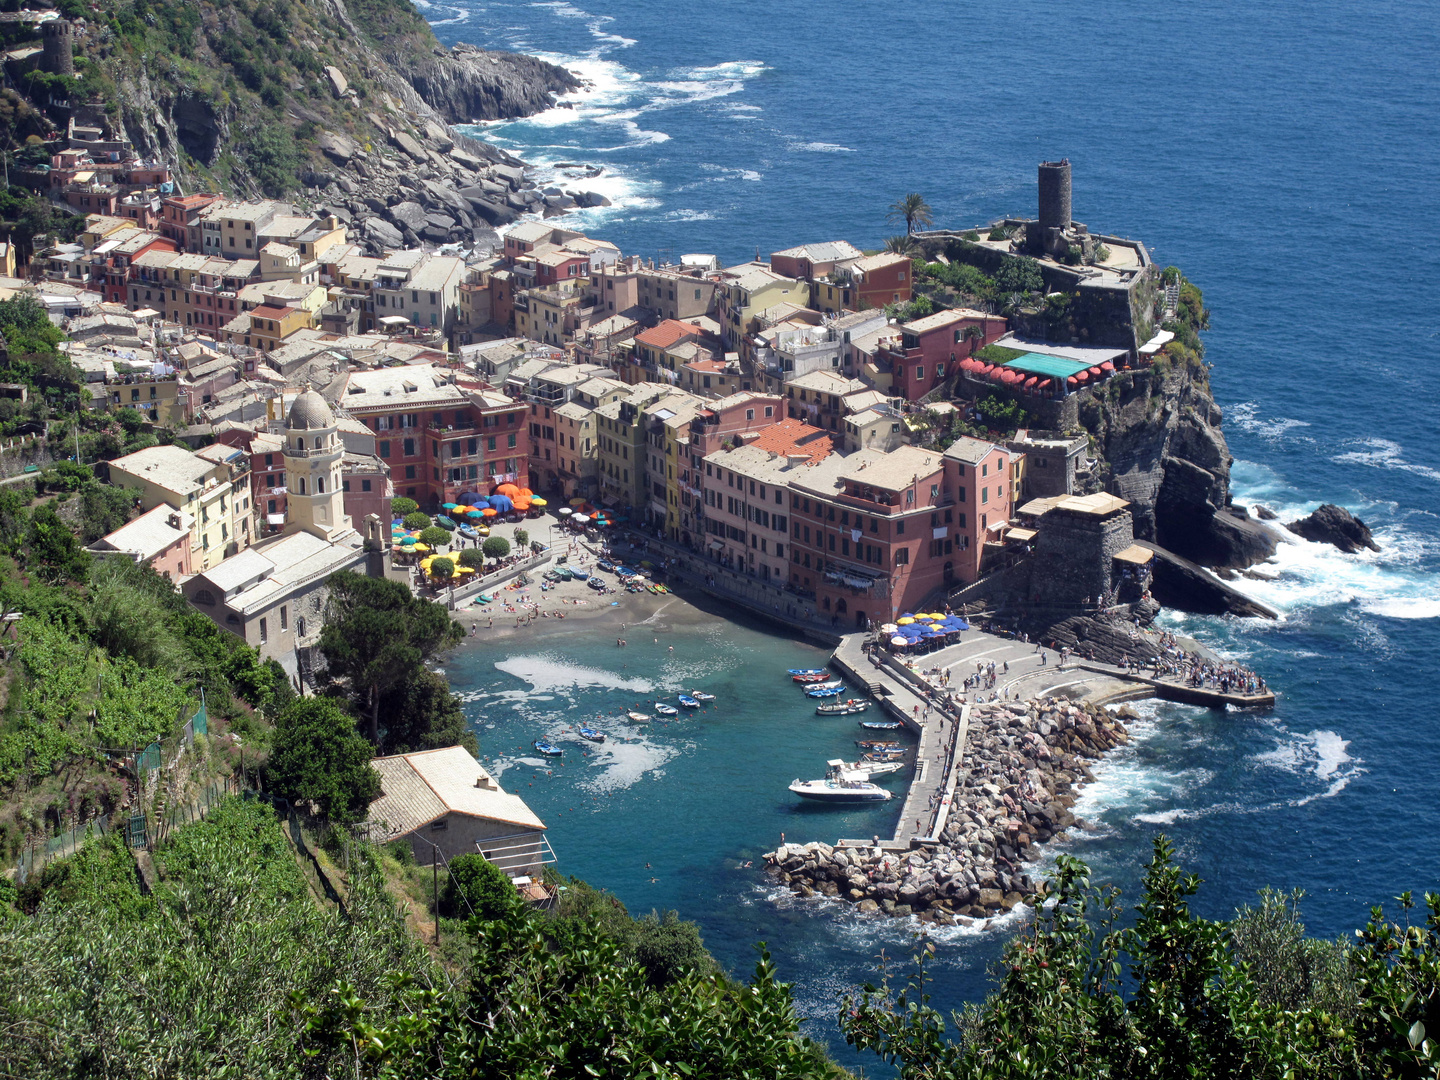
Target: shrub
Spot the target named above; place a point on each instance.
(477, 887)
(319, 757)
(521, 538)
(1101, 253)
(402, 507)
(998, 233)
(472, 557)
(417, 520)
(1019, 275)
(496, 547)
(669, 948)
(970, 234)
(443, 569)
(434, 536)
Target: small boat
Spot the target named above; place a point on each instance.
(551, 576)
(625, 572)
(881, 725)
(592, 734)
(688, 701)
(467, 531)
(605, 565)
(564, 573)
(666, 710)
(596, 584)
(579, 575)
(638, 717)
(806, 671)
(700, 695)
(832, 684)
(894, 753)
(821, 677)
(824, 691)
(877, 744)
(843, 708)
(659, 590)
(871, 769)
(548, 749)
(835, 788)
(445, 522)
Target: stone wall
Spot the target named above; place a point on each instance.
(1074, 557)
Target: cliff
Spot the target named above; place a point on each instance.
(243, 96)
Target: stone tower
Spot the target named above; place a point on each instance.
(1055, 194)
(58, 55)
(313, 452)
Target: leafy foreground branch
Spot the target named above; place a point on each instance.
(1175, 995)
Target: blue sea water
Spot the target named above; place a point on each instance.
(1286, 158)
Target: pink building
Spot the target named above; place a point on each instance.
(159, 538)
(930, 349)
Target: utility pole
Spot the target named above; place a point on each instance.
(435, 885)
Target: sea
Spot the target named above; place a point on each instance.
(1286, 158)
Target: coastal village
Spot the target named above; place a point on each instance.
(810, 437)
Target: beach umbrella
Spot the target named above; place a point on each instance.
(474, 513)
(500, 503)
(899, 641)
(577, 502)
(508, 490)
(464, 570)
(408, 541)
(421, 547)
(583, 519)
(537, 501)
(526, 493)
(889, 628)
(906, 621)
(449, 506)
(425, 562)
(565, 511)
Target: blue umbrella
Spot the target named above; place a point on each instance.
(501, 503)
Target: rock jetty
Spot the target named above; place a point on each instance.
(1019, 776)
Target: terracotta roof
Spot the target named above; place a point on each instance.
(667, 333)
(792, 436)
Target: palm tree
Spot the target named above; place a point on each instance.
(973, 334)
(901, 245)
(913, 210)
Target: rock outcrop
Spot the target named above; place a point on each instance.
(1331, 524)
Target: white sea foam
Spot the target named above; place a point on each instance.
(1383, 454)
(1246, 416)
(551, 673)
(822, 148)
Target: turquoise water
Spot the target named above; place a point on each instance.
(1285, 156)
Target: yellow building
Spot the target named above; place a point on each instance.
(749, 289)
(211, 486)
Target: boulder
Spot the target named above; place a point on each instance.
(1331, 524)
(1264, 513)
(496, 213)
(435, 234)
(409, 146)
(338, 148)
(408, 213)
(383, 233)
(338, 85)
(867, 907)
(590, 198)
(990, 899)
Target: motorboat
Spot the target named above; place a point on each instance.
(871, 769)
(700, 695)
(638, 717)
(687, 701)
(824, 691)
(666, 710)
(881, 725)
(805, 671)
(835, 788)
(893, 753)
(877, 744)
(848, 707)
(813, 678)
(548, 749)
(592, 735)
(829, 684)
(445, 522)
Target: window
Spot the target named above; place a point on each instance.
(902, 556)
(749, 414)
(409, 472)
(364, 485)
(984, 494)
(284, 617)
(919, 372)
(409, 447)
(510, 441)
(264, 632)
(385, 448)
(205, 596)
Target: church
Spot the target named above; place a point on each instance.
(273, 593)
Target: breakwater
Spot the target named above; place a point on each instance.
(1017, 780)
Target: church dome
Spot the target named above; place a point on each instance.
(309, 413)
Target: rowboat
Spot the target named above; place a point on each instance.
(592, 734)
(820, 677)
(596, 584)
(548, 749)
(832, 684)
(666, 710)
(876, 744)
(805, 671)
(687, 701)
(579, 575)
(835, 788)
(700, 695)
(467, 531)
(638, 717)
(445, 522)
(824, 691)
(605, 565)
(843, 708)
(881, 725)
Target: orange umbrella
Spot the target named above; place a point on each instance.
(507, 489)
(526, 493)
(489, 511)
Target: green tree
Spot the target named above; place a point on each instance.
(477, 887)
(422, 714)
(912, 209)
(443, 568)
(103, 509)
(14, 516)
(900, 245)
(1019, 274)
(53, 548)
(416, 520)
(495, 547)
(403, 507)
(378, 635)
(522, 538)
(435, 536)
(317, 756)
(471, 557)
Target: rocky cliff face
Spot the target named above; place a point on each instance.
(1159, 435)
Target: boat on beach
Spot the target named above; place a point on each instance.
(606, 565)
(848, 707)
(666, 710)
(592, 735)
(596, 584)
(467, 531)
(881, 725)
(638, 717)
(835, 788)
(824, 691)
(548, 749)
(687, 701)
(445, 522)
(579, 575)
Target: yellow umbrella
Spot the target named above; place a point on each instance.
(425, 563)
(937, 616)
(420, 547)
(903, 622)
(537, 501)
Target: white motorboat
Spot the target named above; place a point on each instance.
(869, 770)
(833, 684)
(836, 788)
